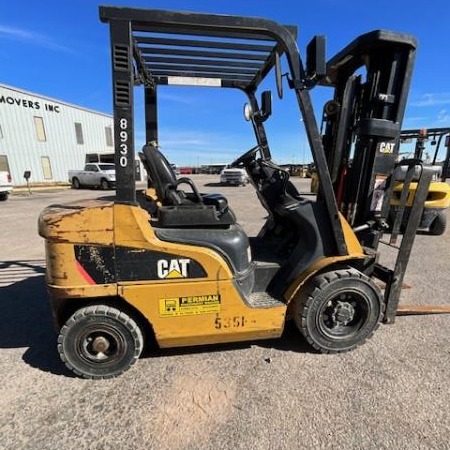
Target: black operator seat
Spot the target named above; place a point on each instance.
(180, 208)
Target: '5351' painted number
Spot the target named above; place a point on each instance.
(222, 323)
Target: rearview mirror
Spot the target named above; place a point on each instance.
(248, 112)
(264, 112)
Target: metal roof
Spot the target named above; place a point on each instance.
(202, 49)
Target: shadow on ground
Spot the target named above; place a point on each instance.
(25, 315)
(218, 185)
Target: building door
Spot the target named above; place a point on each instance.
(46, 168)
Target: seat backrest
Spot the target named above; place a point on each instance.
(162, 175)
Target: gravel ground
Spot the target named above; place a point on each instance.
(392, 393)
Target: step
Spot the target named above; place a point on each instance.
(263, 300)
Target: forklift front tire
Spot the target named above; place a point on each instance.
(338, 310)
(100, 342)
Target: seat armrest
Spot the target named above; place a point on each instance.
(185, 180)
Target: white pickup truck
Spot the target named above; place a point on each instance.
(5, 185)
(234, 176)
(101, 175)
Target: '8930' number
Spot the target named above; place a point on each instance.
(123, 136)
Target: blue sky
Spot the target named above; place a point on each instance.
(61, 49)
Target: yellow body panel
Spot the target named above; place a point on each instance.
(354, 248)
(231, 321)
(90, 221)
(181, 311)
(63, 270)
(131, 229)
(228, 320)
(438, 195)
(87, 222)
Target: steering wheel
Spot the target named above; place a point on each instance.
(247, 156)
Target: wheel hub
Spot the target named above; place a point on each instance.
(100, 344)
(343, 313)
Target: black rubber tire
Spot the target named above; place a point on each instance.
(77, 338)
(346, 289)
(3, 196)
(76, 183)
(104, 185)
(439, 224)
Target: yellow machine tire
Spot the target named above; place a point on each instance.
(338, 310)
(100, 342)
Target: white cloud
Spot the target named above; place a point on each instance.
(444, 117)
(432, 99)
(31, 37)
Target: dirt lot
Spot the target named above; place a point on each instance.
(392, 393)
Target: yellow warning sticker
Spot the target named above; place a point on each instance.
(188, 306)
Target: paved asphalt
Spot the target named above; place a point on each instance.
(392, 393)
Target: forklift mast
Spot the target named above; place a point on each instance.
(371, 79)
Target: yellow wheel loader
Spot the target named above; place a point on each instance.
(172, 264)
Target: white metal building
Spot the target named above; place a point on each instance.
(48, 137)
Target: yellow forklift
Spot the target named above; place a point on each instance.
(172, 264)
(434, 215)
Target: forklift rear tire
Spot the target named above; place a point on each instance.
(100, 342)
(439, 224)
(338, 310)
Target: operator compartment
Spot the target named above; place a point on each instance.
(177, 208)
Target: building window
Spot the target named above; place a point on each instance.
(4, 165)
(46, 168)
(40, 130)
(79, 133)
(109, 139)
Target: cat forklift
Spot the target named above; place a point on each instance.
(171, 264)
(434, 215)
